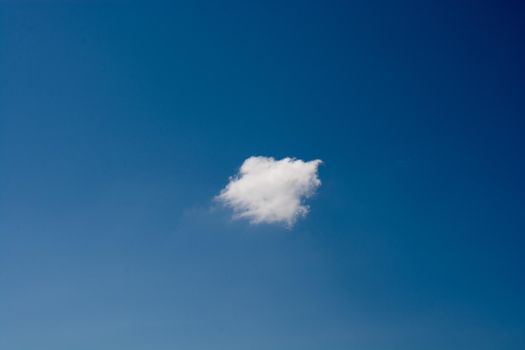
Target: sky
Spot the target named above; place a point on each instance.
(121, 123)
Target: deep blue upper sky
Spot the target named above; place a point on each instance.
(120, 122)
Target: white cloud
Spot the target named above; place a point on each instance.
(271, 191)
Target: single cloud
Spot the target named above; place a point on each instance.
(271, 191)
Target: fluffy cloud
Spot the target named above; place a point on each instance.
(271, 191)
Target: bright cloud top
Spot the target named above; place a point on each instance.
(271, 191)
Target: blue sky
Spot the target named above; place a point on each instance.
(120, 122)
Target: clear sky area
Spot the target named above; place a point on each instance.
(147, 201)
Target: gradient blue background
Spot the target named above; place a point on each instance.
(120, 121)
